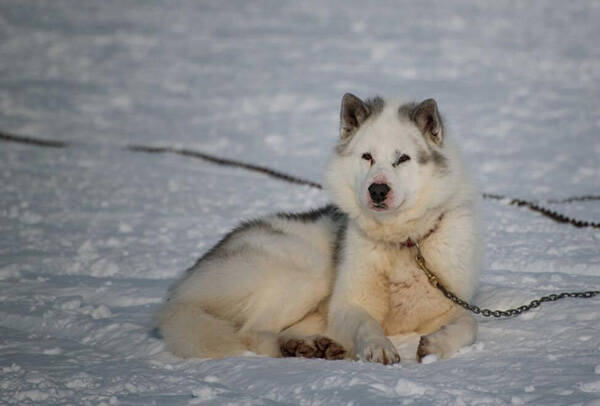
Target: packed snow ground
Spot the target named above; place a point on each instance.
(92, 236)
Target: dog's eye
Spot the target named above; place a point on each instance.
(402, 158)
(367, 157)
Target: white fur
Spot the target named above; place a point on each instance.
(273, 282)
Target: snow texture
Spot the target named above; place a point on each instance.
(93, 235)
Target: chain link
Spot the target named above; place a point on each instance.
(434, 281)
(517, 310)
(551, 214)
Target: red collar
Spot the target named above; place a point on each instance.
(410, 243)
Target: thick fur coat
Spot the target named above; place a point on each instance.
(335, 282)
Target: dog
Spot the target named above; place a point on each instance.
(335, 282)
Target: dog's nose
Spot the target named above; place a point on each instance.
(378, 192)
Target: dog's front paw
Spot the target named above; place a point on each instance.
(378, 350)
(311, 347)
(428, 346)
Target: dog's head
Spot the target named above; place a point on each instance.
(391, 159)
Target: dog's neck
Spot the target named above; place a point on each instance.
(402, 234)
(410, 242)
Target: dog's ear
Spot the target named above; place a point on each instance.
(354, 112)
(428, 120)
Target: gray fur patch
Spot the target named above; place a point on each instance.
(375, 106)
(223, 250)
(438, 159)
(155, 333)
(405, 111)
(313, 215)
(340, 148)
(340, 241)
(220, 250)
(423, 157)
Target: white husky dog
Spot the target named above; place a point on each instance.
(335, 282)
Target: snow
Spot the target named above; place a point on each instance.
(93, 235)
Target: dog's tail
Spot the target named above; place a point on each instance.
(189, 331)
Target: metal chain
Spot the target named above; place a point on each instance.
(552, 215)
(517, 310)
(435, 282)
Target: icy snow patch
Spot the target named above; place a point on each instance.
(404, 387)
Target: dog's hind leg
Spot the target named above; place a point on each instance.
(242, 296)
(189, 331)
(303, 338)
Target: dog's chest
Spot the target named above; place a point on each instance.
(413, 302)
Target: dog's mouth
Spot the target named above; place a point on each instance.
(379, 206)
(385, 207)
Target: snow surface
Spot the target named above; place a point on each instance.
(92, 236)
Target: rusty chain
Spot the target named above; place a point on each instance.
(434, 281)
